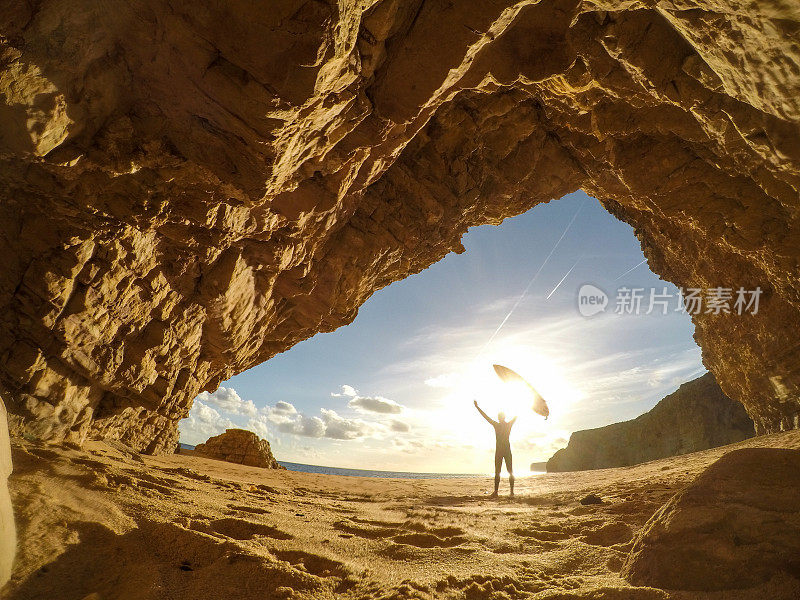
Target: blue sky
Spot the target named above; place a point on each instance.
(394, 389)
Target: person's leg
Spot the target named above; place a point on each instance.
(510, 469)
(498, 464)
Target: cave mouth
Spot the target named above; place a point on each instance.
(402, 375)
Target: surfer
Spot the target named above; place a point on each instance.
(502, 430)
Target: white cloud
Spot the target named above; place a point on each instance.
(202, 423)
(377, 404)
(541, 444)
(305, 426)
(445, 380)
(228, 400)
(281, 412)
(259, 427)
(284, 407)
(211, 414)
(409, 446)
(329, 425)
(347, 391)
(339, 428)
(399, 426)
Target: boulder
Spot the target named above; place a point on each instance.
(696, 417)
(736, 526)
(239, 446)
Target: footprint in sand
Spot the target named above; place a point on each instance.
(543, 533)
(239, 529)
(411, 533)
(188, 473)
(249, 509)
(428, 540)
(44, 454)
(162, 484)
(264, 490)
(482, 586)
(595, 532)
(312, 563)
(94, 465)
(162, 481)
(407, 537)
(609, 534)
(369, 532)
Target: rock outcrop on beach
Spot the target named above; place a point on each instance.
(241, 447)
(188, 190)
(736, 526)
(695, 417)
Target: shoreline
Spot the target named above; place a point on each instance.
(375, 473)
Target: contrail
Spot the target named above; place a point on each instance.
(563, 278)
(530, 283)
(631, 269)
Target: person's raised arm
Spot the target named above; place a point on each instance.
(512, 421)
(483, 414)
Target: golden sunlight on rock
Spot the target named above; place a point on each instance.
(178, 210)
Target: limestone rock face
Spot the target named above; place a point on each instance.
(736, 526)
(239, 446)
(8, 531)
(187, 190)
(696, 417)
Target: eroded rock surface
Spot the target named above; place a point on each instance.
(696, 417)
(241, 447)
(188, 190)
(736, 526)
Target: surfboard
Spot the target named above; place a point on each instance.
(539, 405)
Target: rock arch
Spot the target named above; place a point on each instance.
(188, 191)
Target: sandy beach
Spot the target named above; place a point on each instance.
(102, 523)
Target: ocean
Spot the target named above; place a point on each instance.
(370, 473)
(303, 468)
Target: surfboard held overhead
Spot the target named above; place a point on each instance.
(509, 376)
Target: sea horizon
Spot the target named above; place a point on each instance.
(378, 473)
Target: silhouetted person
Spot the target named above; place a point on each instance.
(502, 429)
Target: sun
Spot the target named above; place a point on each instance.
(547, 376)
(477, 380)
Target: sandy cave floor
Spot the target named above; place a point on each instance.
(104, 523)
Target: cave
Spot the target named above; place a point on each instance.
(178, 211)
(189, 189)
